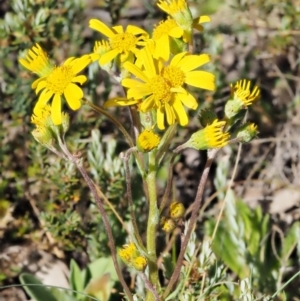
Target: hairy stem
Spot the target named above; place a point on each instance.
(153, 219)
(197, 203)
(77, 161)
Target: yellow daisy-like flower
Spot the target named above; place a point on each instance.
(121, 43)
(212, 136)
(56, 82)
(241, 90)
(162, 89)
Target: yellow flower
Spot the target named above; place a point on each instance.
(241, 90)
(162, 89)
(147, 141)
(212, 136)
(123, 43)
(56, 82)
(241, 98)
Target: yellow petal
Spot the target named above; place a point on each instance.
(139, 92)
(108, 56)
(101, 27)
(41, 85)
(43, 99)
(170, 114)
(56, 110)
(69, 61)
(188, 100)
(79, 79)
(148, 62)
(160, 117)
(79, 64)
(201, 79)
(119, 101)
(135, 71)
(162, 48)
(204, 19)
(147, 104)
(130, 83)
(177, 58)
(135, 30)
(73, 94)
(176, 32)
(118, 29)
(191, 62)
(180, 112)
(36, 82)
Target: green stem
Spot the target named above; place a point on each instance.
(153, 220)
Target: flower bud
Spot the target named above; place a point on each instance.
(147, 141)
(247, 132)
(177, 210)
(168, 225)
(140, 263)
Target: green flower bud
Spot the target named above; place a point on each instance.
(247, 132)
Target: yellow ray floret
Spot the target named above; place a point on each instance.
(121, 42)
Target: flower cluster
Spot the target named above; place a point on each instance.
(156, 73)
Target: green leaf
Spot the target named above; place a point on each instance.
(76, 279)
(290, 241)
(37, 292)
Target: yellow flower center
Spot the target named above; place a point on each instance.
(163, 28)
(123, 42)
(59, 79)
(173, 75)
(160, 90)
